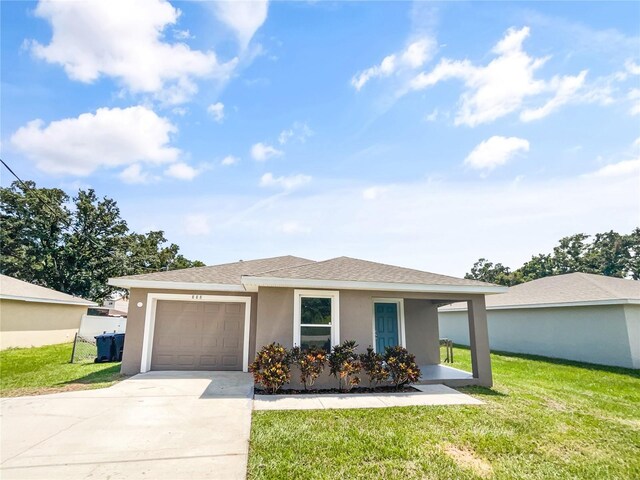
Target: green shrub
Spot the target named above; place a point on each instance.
(272, 367)
(345, 365)
(374, 366)
(311, 363)
(402, 366)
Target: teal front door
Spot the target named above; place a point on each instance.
(386, 320)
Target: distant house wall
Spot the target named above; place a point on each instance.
(33, 324)
(601, 334)
(92, 325)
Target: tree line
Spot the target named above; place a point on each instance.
(609, 253)
(75, 244)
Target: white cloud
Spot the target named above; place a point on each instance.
(414, 56)
(124, 40)
(373, 193)
(216, 110)
(263, 152)
(506, 82)
(229, 160)
(495, 151)
(433, 116)
(299, 131)
(196, 225)
(182, 34)
(182, 171)
(134, 174)
(634, 97)
(294, 228)
(289, 182)
(108, 138)
(632, 67)
(565, 89)
(243, 17)
(626, 167)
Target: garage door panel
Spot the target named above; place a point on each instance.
(208, 361)
(211, 307)
(198, 336)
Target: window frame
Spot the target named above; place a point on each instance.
(334, 295)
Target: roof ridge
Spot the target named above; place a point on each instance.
(419, 271)
(283, 268)
(590, 279)
(218, 265)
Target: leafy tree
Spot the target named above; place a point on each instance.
(486, 271)
(75, 245)
(609, 253)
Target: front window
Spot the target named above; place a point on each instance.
(315, 323)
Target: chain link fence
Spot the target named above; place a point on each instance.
(84, 349)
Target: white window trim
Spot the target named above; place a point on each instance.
(334, 295)
(150, 322)
(401, 326)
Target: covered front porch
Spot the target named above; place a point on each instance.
(418, 331)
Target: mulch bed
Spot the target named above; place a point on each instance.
(333, 391)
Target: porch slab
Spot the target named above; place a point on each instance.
(427, 395)
(442, 374)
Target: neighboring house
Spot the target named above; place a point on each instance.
(31, 316)
(577, 316)
(217, 317)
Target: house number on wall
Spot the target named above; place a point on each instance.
(196, 297)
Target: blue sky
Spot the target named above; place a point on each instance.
(422, 134)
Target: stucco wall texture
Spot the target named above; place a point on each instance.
(32, 324)
(600, 334)
(272, 321)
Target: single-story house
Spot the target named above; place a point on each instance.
(577, 316)
(32, 316)
(217, 317)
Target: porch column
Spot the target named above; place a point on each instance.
(479, 341)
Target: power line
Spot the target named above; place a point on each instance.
(56, 214)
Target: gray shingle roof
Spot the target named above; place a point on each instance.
(568, 288)
(228, 273)
(353, 269)
(14, 289)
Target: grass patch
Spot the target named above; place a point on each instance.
(38, 370)
(544, 418)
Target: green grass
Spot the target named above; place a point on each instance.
(38, 370)
(544, 419)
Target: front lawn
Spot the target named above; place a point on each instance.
(543, 419)
(38, 370)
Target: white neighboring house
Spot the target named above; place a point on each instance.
(31, 316)
(110, 317)
(577, 316)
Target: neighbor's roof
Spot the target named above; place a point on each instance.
(571, 289)
(342, 272)
(14, 289)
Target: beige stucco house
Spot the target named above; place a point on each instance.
(577, 316)
(215, 318)
(32, 316)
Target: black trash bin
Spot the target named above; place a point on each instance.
(118, 339)
(106, 346)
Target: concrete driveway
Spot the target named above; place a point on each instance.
(157, 425)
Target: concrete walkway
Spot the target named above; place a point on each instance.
(158, 425)
(428, 395)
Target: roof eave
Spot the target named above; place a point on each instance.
(19, 298)
(251, 283)
(584, 303)
(130, 283)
